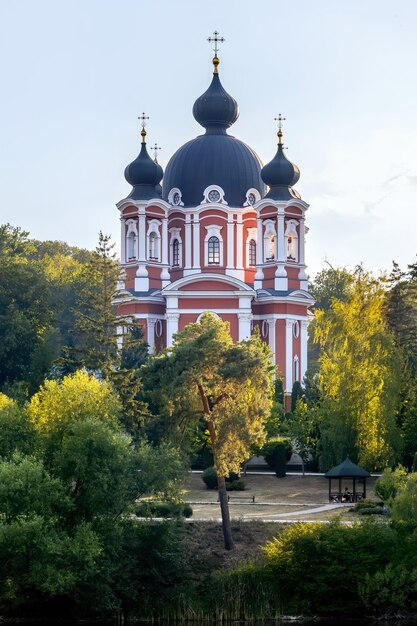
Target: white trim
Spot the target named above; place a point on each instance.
(207, 192)
(214, 230)
(171, 195)
(153, 230)
(207, 311)
(187, 265)
(256, 195)
(288, 353)
(207, 276)
(252, 236)
(291, 229)
(196, 242)
(269, 232)
(175, 235)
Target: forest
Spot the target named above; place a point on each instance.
(87, 426)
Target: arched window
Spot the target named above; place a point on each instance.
(270, 248)
(175, 253)
(153, 251)
(131, 245)
(296, 369)
(252, 252)
(213, 251)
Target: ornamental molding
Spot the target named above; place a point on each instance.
(213, 194)
(237, 286)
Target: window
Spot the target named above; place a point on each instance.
(131, 246)
(175, 253)
(213, 251)
(296, 369)
(153, 246)
(252, 252)
(270, 248)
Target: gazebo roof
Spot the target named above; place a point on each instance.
(347, 469)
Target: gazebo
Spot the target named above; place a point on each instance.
(351, 482)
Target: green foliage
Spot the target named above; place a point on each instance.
(390, 483)
(404, 505)
(16, 431)
(303, 427)
(308, 561)
(277, 453)
(390, 590)
(209, 477)
(358, 412)
(235, 485)
(296, 395)
(163, 509)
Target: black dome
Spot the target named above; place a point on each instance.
(280, 175)
(215, 158)
(216, 109)
(144, 174)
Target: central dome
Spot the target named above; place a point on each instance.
(214, 158)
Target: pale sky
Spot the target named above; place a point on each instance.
(76, 74)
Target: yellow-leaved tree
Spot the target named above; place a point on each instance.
(360, 378)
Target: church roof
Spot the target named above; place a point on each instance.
(214, 158)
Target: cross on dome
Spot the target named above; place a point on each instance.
(280, 119)
(142, 118)
(216, 40)
(155, 149)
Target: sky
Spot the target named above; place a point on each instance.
(76, 74)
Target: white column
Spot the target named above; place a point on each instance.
(259, 276)
(188, 262)
(245, 321)
(196, 242)
(122, 240)
(172, 327)
(239, 242)
(141, 280)
(165, 276)
(303, 348)
(271, 337)
(150, 338)
(288, 353)
(281, 280)
(301, 255)
(230, 242)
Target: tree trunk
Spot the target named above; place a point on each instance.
(229, 544)
(302, 466)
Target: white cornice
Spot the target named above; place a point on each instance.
(239, 285)
(280, 204)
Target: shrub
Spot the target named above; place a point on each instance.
(236, 485)
(209, 476)
(390, 483)
(370, 510)
(163, 509)
(309, 561)
(276, 453)
(187, 510)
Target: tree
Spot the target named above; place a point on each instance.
(16, 431)
(97, 324)
(302, 426)
(230, 386)
(24, 312)
(359, 378)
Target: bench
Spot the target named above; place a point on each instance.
(251, 499)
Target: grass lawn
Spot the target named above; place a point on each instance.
(280, 499)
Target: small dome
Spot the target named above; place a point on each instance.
(280, 175)
(216, 110)
(144, 175)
